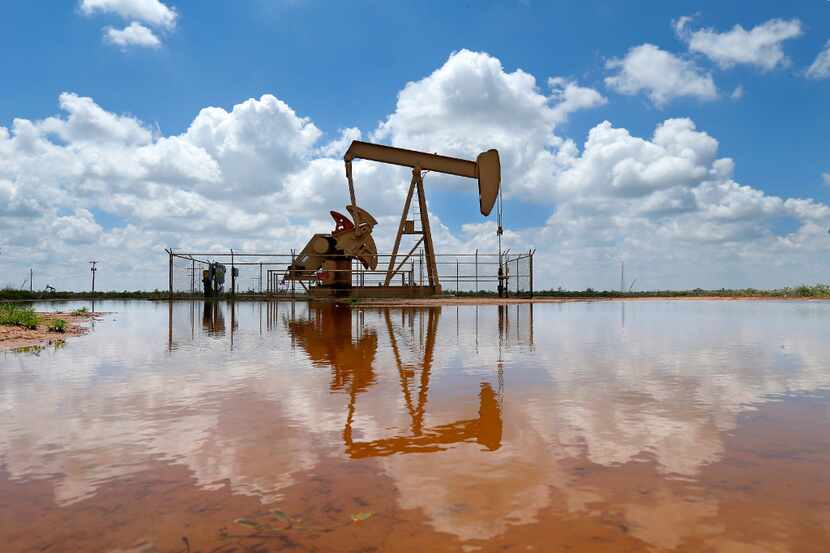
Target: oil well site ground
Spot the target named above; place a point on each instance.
(13, 337)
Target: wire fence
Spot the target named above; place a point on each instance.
(254, 273)
(520, 274)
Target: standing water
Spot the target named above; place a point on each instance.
(609, 426)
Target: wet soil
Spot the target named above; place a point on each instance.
(17, 337)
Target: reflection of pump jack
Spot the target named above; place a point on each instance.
(328, 340)
(485, 430)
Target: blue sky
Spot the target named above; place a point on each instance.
(343, 65)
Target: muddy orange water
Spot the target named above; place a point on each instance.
(610, 426)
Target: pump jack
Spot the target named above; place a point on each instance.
(328, 257)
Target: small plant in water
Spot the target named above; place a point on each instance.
(34, 350)
(81, 311)
(58, 325)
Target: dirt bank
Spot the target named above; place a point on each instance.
(17, 337)
(426, 302)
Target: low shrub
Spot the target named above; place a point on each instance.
(13, 315)
(57, 325)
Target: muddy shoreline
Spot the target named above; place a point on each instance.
(419, 302)
(17, 338)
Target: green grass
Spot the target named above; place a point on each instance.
(81, 311)
(12, 294)
(22, 295)
(802, 291)
(14, 315)
(58, 325)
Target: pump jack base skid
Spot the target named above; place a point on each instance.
(405, 292)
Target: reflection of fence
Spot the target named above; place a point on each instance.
(507, 325)
(459, 273)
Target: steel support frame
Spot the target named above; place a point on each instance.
(416, 185)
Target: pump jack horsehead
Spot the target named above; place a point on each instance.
(327, 258)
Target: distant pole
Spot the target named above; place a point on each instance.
(93, 269)
(622, 277)
(31, 288)
(170, 273)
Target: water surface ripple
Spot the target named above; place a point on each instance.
(605, 426)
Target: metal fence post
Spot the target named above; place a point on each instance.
(292, 279)
(530, 254)
(517, 276)
(456, 276)
(170, 272)
(233, 279)
(477, 271)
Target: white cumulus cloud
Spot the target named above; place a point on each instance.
(471, 104)
(152, 12)
(820, 68)
(760, 46)
(571, 97)
(662, 75)
(256, 177)
(134, 34)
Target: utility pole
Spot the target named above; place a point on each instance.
(169, 273)
(233, 277)
(622, 277)
(31, 288)
(93, 269)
